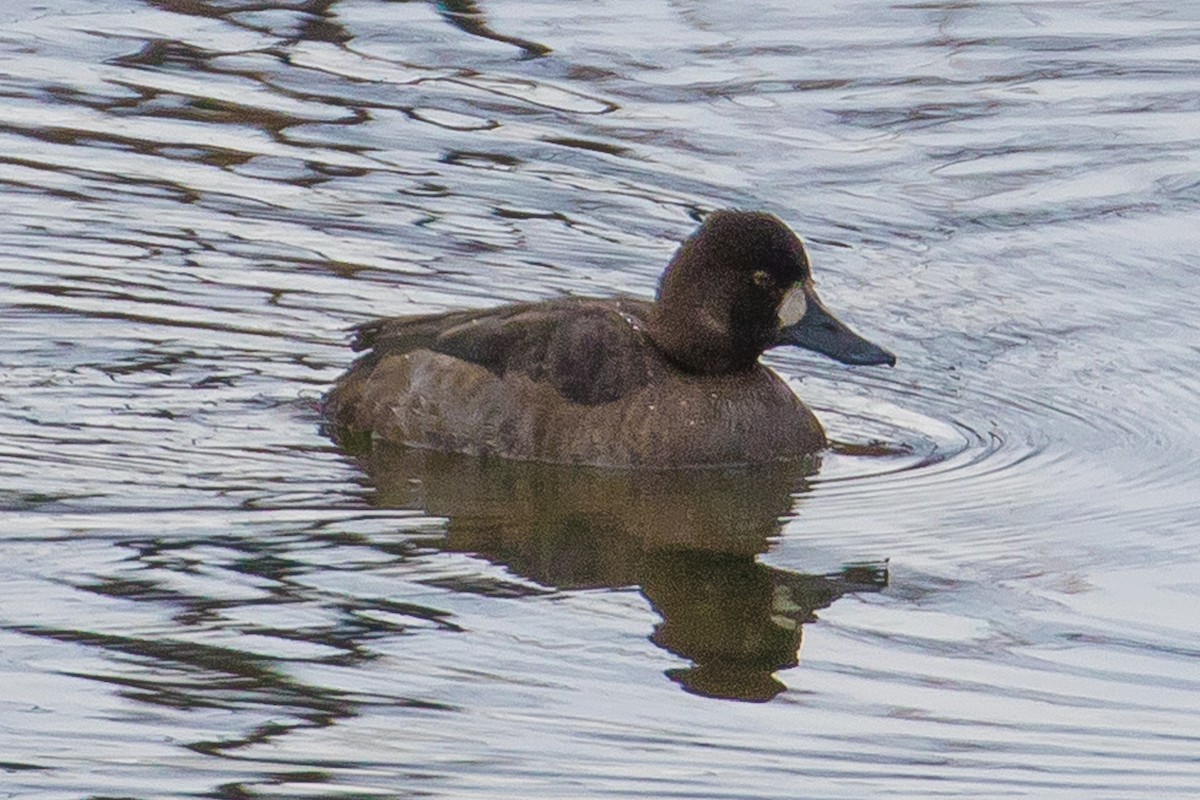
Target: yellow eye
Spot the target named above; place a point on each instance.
(761, 278)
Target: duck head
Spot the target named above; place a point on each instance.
(742, 284)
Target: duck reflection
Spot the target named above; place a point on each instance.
(688, 540)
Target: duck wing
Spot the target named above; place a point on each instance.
(589, 351)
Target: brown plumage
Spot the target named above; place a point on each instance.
(611, 382)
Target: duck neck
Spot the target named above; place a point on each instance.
(699, 343)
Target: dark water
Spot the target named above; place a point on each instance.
(201, 597)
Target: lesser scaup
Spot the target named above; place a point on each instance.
(616, 382)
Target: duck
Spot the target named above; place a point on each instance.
(618, 382)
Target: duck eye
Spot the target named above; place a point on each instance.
(761, 278)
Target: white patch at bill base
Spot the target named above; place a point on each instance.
(793, 307)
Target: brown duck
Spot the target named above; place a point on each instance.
(615, 382)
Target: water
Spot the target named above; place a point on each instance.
(202, 597)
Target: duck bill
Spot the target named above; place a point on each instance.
(823, 333)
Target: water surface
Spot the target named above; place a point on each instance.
(204, 597)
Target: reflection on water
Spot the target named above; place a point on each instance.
(739, 621)
(201, 597)
(687, 540)
(469, 17)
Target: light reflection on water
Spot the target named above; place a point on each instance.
(203, 597)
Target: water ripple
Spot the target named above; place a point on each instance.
(986, 588)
